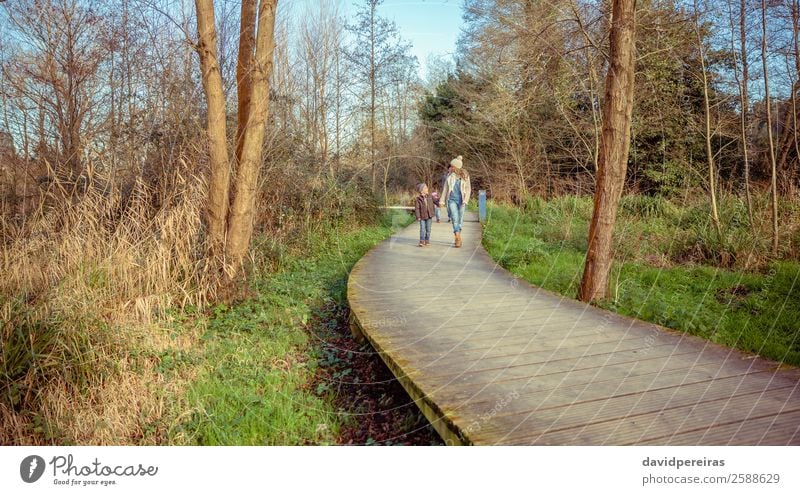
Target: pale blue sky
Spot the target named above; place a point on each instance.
(432, 26)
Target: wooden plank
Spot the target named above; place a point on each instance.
(545, 364)
(402, 328)
(549, 373)
(465, 315)
(534, 353)
(512, 345)
(561, 359)
(604, 396)
(459, 391)
(553, 392)
(667, 371)
(780, 429)
(652, 416)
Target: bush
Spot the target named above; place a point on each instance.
(649, 207)
(669, 178)
(522, 252)
(572, 206)
(299, 203)
(534, 205)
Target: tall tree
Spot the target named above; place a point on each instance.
(219, 180)
(376, 49)
(60, 70)
(788, 139)
(742, 79)
(708, 134)
(234, 230)
(745, 110)
(242, 215)
(244, 81)
(320, 42)
(770, 139)
(614, 148)
(796, 50)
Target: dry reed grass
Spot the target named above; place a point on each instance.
(85, 298)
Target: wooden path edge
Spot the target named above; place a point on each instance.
(450, 433)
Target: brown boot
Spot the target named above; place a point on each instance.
(458, 239)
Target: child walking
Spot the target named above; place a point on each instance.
(436, 205)
(424, 211)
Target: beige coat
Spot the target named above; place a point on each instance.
(450, 183)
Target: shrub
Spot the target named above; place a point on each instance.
(533, 205)
(649, 207)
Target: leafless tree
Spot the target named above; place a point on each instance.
(771, 149)
(232, 227)
(707, 134)
(614, 149)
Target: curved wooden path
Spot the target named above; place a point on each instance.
(490, 359)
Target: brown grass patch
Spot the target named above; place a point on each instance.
(85, 299)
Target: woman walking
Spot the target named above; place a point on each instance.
(456, 195)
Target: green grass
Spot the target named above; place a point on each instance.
(756, 310)
(253, 383)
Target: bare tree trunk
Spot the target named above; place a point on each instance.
(338, 109)
(242, 214)
(785, 144)
(244, 83)
(386, 180)
(612, 165)
(796, 40)
(790, 175)
(373, 85)
(595, 118)
(319, 37)
(789, 140)
(769, 129)
(321, 80)
(42, 147)
(712, 172)
(219, 180)
(112, 118)
(745, 102)
(128, 75)
(322, 129)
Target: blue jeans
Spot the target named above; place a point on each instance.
(436, 209)
(456, 214)
(425, 229)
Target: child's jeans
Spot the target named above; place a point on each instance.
(456, 213)
(425, 229)
(436, 209)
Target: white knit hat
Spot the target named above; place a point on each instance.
(456, 162)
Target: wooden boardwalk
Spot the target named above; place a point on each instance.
(490, 359)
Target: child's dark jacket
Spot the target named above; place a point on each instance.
(423, 207)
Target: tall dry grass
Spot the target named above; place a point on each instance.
(86, 292)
